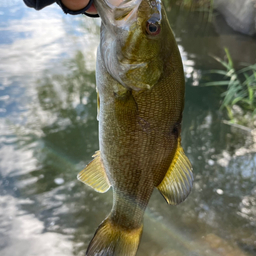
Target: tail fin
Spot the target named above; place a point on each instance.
(112, 240)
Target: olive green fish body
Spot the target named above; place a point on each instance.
(140, 84)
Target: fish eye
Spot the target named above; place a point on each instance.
(153, 28)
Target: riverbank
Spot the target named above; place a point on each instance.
(239, 15)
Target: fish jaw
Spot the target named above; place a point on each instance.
(129, 54)
(117, 14)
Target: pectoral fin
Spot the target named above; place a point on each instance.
(94, 175)
(178, 181)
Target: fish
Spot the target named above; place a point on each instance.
(140, 86)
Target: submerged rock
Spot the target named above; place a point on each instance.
(239, 14)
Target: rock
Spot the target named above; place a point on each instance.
(239, 14)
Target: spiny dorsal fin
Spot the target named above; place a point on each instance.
(178, 181)
(94, 175)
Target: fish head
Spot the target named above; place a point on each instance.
(132, 36)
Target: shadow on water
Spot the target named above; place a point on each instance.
(44, 203)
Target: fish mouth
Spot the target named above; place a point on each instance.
(117, 13)
(124, 35)
(126, 9)
(121, 3)
(122, 13)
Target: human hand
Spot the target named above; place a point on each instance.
(75, 5)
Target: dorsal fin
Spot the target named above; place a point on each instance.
(94, 175)
(178, 181)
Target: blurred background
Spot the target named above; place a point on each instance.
(49, 131)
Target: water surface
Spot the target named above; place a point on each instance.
(49, 131)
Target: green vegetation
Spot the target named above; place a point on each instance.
(240, 96)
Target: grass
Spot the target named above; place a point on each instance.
(240, 93)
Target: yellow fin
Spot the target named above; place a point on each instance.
(178, 181)
(112, 240)
(94, 175)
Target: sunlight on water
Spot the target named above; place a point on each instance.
(25, 232)
(49, 131)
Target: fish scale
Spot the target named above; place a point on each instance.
(140, 85)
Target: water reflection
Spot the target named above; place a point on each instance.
(48, 132)
(202, 39)
(25, 232)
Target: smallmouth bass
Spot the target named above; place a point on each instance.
(140, 85)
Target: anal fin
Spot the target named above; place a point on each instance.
(178, 181)
(94, 175)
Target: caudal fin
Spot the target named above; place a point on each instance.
(112, 240)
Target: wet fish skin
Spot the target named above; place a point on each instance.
(140, 84)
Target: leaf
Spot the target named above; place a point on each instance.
(241, 85)
(217, 83)
(236, 100)
(217, 71)
(251, 92)
(243, 70)
(230, 62)
(223, 63)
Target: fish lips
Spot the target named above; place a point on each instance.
(121, 14)
(117, 12)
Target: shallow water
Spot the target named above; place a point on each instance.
(48, 133)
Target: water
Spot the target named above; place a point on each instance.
(48, 133)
